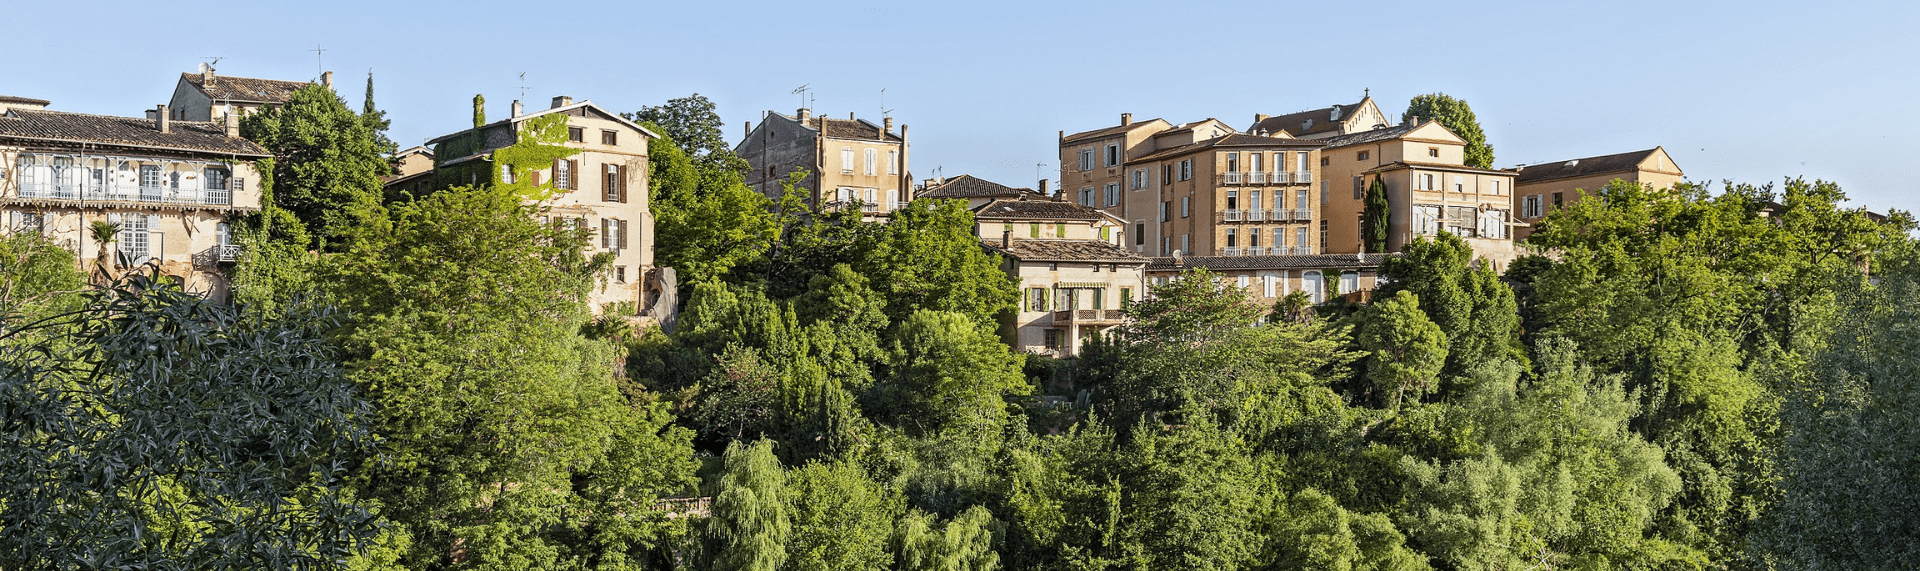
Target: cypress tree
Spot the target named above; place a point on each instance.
(376, 121)
(1376, 219)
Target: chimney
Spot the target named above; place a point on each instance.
(746, 127)
(1258, 117)
(206, 74)
(903, 132)
(326, 79)
(1413, 120)
(803, 114)
(849, 115)
(887, 123)
(1006, 239)
(233, 125)
(561, 101)
(1126, 119)
(1043, 187)
(518, 110)
(162, 118)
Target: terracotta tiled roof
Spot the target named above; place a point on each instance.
(1323, 121)
(24, 100)
(1108, 131)
(245, 89)
(1583, 167)
(1231, 141)
(850, 129)
(195, 136)
(1368, 136)
(1309, 262)
(969, 186)
(1066, 250)
(1397, 165)
(1036, 208)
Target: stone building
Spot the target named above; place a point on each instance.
(847, 161)
(169, 186)
(1429, 188)
(976, 191)
(206, 96)
(602, 188)
(1074, 277)
(1546, 186)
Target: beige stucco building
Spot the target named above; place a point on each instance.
(1197, 188)
(168, 185)
(602, 188)
(847, 161)
(1074, 277)
(1546, 186)
(207, 96)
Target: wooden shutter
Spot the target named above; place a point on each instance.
(573, 174)
(605, 235)
(623, 233)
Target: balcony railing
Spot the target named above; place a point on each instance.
(1258, 177)
(1303, 214)
(1232, 215)
(131, 193)
(1233, 177)
(1303, 177)
(1230, 251)
(1256, 215)
(1087, 316)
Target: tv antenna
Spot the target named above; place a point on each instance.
(802, 92)
(523, 86)
(319, 64)
(883, 103)
(1036, 169)
(212, 61)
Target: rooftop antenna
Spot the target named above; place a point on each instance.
(883, 103)
(212, 61)
(1366, 92)
(319, 64)
(1036, 170)
(802, 92)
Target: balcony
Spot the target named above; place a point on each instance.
(1257, 177)
(136, 194)
(1303, 177)
(1256, 215)
(1303, 214)
(1232, 215)
(1233, 177)
(1229, 251)
(1087, 316)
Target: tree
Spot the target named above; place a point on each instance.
(37, 276)
(1465, 298)
(692, 123)
(929, 257)
(156, 429)
(965, 543)
(948, 372)
(1405, 350)
(841, 519)
(104, 234)
(1376, 221)
(751, 520)
(706, 218)
(377, 122)
(499, 416)
(327, 164)
(1850, 447)
(1456, 116)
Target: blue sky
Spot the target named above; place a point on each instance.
(1749, 91)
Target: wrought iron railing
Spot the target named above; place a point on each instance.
(131, 193)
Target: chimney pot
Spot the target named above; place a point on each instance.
(206, 74)
(887, 123)
(326, 79)
(746, 128)
(1126, 119)
(561, 101)
(1043, 187)
(1414, 120)
(803, 114)
(1006, 238)
(849, 115)
(518, 110)
(232, 124)
(162, 119)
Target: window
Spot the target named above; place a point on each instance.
(1266, 286)
(1166, 245)
(216, 177)
(614, 187)
(1126, 295)
(1310, 283)
(1166, 208)
(1099, 296)
(1299, 162)
(1359, 184)
(1233, 162)
(1086, 196)
(1459, 183)
(1184, 246)
(1113, 155)
(1139, 233)
(1242, 282)
(576, 134)
(1494, 187)
(149, 176)
(1325, 161)
(1362, 156)
(1139, 179)
(37, 222)
(1233, 200)
(173, 180)
(1253, 238)
(1425, 180)
(1253, 199)
(1349, 282)
(563, 174)
(846, 160)
(1253, 162)
(619, 274)
(1530, 206)
(893, 199)
(1086, 159)
(1426, 219)
(1230, 238)
(1113, 194)
(1186, 206)
(506, 173)
(1166, 174)
(893, 162)
(1279, 237)
(1053, 338)
(1300, 237)
(1493, 224)
(1433, 151)
(1300, 199)
(1186, 169)
(872, 161)
(1037, 299)
(136, 237)
(613, 234)
(609, 137)
(1556, 201)
(1106, 233)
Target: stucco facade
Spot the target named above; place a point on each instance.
(208, 96)
(1429, 187)
(847, 161)
(1268, 279)
(1546, 186)
(1074, 277)
(169, 186)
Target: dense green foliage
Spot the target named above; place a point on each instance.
(150, 428)
(1456, 116)
(37, 276)
(1376, 218)
(327, 164)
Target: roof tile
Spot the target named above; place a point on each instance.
(193, 136)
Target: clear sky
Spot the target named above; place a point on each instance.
(1749, 91)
